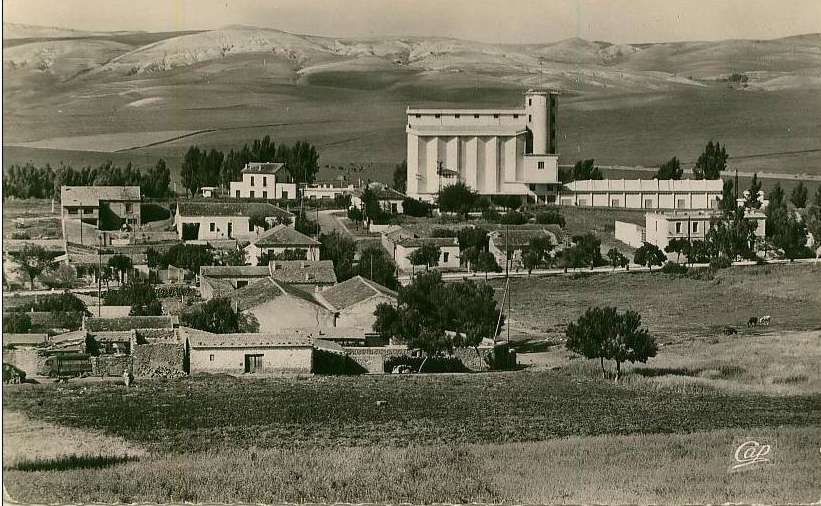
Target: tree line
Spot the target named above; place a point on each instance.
(29, 181)
(201, 167)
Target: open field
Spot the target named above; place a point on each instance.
(673, 308)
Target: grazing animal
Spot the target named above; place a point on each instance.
(752, 322)
(381, 403)
(729, 331)
(764, 320)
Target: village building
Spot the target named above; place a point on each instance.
(400, 244)
(264, 180)
(279, 239)
(355, 301)
(643, 193)
(279, 306)
(330, 190)
(390, 200)
(105, 207)
(203, 221)
(693, 225)
(222, 280)
(263, 353)
(493, 151)
(511, 245)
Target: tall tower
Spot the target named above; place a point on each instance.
(540, 107)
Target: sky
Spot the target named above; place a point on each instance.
(505, 21)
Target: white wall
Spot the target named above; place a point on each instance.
(239, 227)
(629, 233)
(232, 360)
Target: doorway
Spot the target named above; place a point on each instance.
(253, 363)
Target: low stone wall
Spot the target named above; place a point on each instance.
(372, 359)
(109, 365)
(27, 360)
(474, 361)
(157, 358)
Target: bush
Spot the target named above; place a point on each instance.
(674, 268)
(550, 217)
(514, 218)
(433, 364)
(64, 276)
(150, 211)
(491, 215)
(721, 262)
(21, 234)
(502, 358)
(443, 232)
(417, 208)
(16, 323)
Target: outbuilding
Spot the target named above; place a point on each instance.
(248, 353)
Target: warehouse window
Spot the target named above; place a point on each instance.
(695, 227)
(529, 101)
(252, 193)
(476, 116)
(252, 180)
(529, 118)
(445, 256)
(457, 115)
(515, 116)
(437, 115)
(496, 116)
(237, 193)
(264, 181)
(212, 226)
(678, 227)
(211, 357)
(540, 165)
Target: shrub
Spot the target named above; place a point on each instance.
(550, 217)
(674, 268)
(721, 262)
(16, 323)
(443, 232)
(491, 215)
(514, 218)
(150, 211)
(20, 234)
(433, 364)
(64, 276)
(413, 207)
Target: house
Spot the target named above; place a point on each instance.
(355, 301)
(511, 245)
(661, 227)
(104, 207)
(643, 193)
(14, 341)
(279, 239)
(263, 353)
(209, 191)
(389, 199)
(225, 220)
(221, 280)
(330, 190)
(494, 151)
(278, 306)
(264, 180)
(400, 244)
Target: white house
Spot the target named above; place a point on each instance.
(278, 239)
(389, 199)
(319, 190)
(264, 180)
(661, 227)
(224, 220)
(355, 301)
(494, 151)
(643, 193)
(511, 245)
(400, 244)
(264, 353)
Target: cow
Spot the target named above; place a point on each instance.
(764, 321)
(753, 321)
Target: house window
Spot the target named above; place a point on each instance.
(529, 118)
(252, 180)
(680, 203)
(445, 256)
(284, 195)
(250, 227)
(211, 357)
(265, 195)
(129, 208)
(252, 193)
(212, 226)
(237, 193)
(515, 116)
(264, 181)
(475, 116)
(457, 116)
(496, 116)
(72, 211)
(678, 227)
(540, 165)
(695, 227)
(437, 115)
(394, 208)
(242, 283)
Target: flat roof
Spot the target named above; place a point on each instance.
(496, 130)
(637, 185)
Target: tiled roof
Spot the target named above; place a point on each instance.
(231, 209)
(651, 185)
(255, 293)
(303, 271)
(129, 323)
(331, 333)
(88, 259)
(208, 340)
(416, 242)
(24, 339)
(91, 196)
(262, 168)
(353, 291)
(75, 335)
(234, 271)
(283, 236)
(112, 336)
(219, 287)
(383, 192)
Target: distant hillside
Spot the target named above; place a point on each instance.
(21, 31)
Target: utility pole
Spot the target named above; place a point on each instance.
(99, 281)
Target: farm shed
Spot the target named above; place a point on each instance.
(248, 353)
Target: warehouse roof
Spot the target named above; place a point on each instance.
(354, 291)
(644, 185)
(246, 209)
(90, 196)
(234, 271)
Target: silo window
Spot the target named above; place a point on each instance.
(540, 165)
(457, 115)
(496, 116)
(476, 116)
(529, 101)
(529, 118)
(437, 115)
(515, 116)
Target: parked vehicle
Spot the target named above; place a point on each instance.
(67, 365)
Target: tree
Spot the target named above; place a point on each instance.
(435, 317)
(157, 182)
(371, 210)
(33, 260)
(587, 250)
(376, 265)
(189, 256)
(355, 214)
(799, 195)
(258, 220)
(302, 161)
(486, 262)
(121, 264)
(677, 245)
(305, 225)
(140, 296)
(816, 199)
(649, 255)
(791, 237)
(16, 323)
(586, 169)
(671, 169)
(550, 217)
(457, 198)
(216, 316)
(733, 236)
(712, 162)
(416, 208)
(728, 203)
(400, 176)
(190, 170)
(617, 259)
(340, 249)
(604, 333)
(427, 255)
(537, 252)
(813, 222)
(753, 199)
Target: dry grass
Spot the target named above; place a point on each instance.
(667, 469)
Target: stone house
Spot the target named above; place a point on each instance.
(262, 353)
(221, 280)
(279, 306)
(205, 221)
(400, 244)
(511, 245)
(355, 301)
(278, 239)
